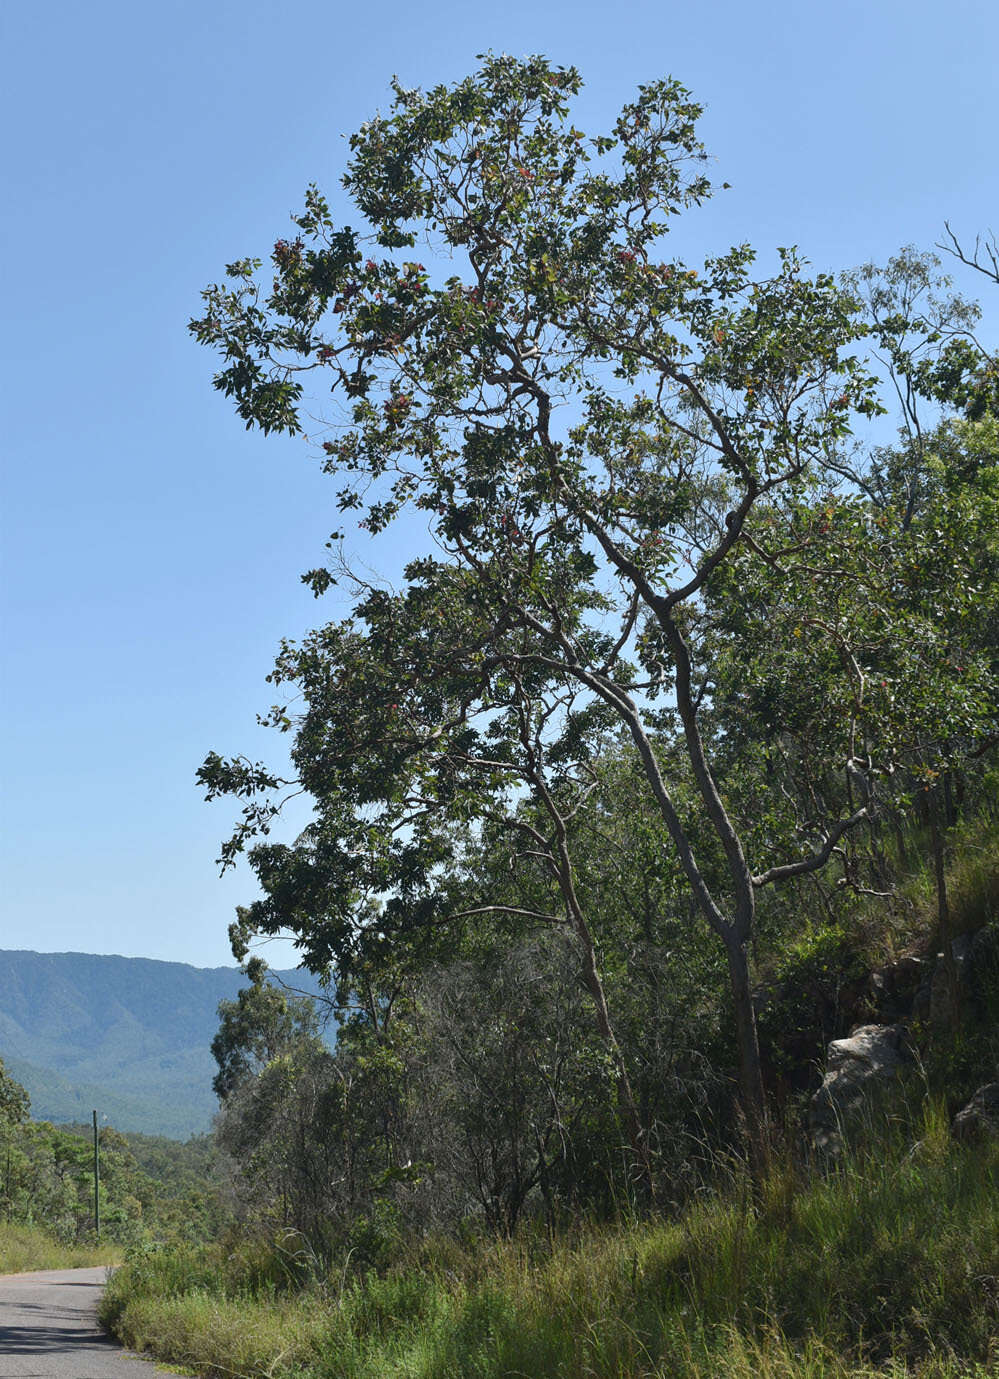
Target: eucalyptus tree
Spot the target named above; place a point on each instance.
(870, 613)
(966, 372)
(871, 626)
(585, 424)
(932, 534)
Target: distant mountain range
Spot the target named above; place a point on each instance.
(127, 1036)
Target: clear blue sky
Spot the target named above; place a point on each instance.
(151, 547)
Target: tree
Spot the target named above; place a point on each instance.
(254, 1029)
(966, 374)
(936, 498)
(517, 1081)
(588, 429)
(14, 1100)
(456, 731)
(14, 1106)
(273, 1085)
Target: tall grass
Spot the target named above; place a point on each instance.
(972, 881)
(24, 1248)
(888, 1266)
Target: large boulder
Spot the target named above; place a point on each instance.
(980, 1118)
(858, 1069)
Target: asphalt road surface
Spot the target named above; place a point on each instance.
(48, 1329)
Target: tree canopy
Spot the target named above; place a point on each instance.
(613, 454)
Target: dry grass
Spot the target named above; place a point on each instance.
(25, 1248)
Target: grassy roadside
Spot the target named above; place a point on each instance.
(24, 1248)
(888, 1267)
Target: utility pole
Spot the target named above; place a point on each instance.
(97, 1182)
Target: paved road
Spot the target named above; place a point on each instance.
(48, 1329)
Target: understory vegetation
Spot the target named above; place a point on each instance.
(881, 1260)
(887, 1265)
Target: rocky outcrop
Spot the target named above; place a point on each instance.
(976, 967)
(892, 989)
(983, 972)
(857, 1068)
(980, 1118)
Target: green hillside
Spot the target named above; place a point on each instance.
(129, 1036)
(56, 1098)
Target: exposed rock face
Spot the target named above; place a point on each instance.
(856, 1067)
(980, 1118)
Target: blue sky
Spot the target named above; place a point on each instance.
(151, 547)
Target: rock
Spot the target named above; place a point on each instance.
(983, 972)
(892, 989)
(940, 1012)
(856, 1068)
(980, 1118)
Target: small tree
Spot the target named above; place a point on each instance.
(262, 1023)
(14, 1100)
(586, 425)
(424, 727)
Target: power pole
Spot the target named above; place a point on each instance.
(97, 1182)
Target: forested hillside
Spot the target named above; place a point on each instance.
(129, 1036)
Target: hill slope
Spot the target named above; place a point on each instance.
(130, 1036)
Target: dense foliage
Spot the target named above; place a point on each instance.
(885, 1270)
(669, 611)
(589, 430)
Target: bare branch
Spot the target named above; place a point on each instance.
(818, 858)
(973, 260)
